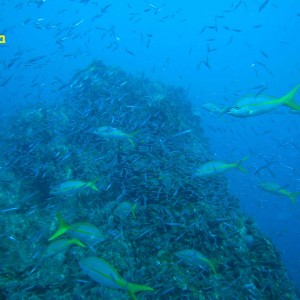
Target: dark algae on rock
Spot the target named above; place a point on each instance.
(106, 178)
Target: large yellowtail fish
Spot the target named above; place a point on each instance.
(114, 133)
(85, 232)
(276, 189)
(254, 105)
(71, 186)
(193, 258)
(123, 210)
(101, 271)
(60, 246)
(215, 167)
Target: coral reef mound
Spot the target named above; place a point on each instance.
(117, 157)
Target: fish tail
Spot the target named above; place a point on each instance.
(92, 185)
(76, 242)
(133, 210)
(289, 99)
(213, 265)
(293, 197)
(134, 133)
(133, 288)
(63, 227)
(239, 166)
(131, 136)
(131, 142)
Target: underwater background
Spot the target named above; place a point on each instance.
(217, 51)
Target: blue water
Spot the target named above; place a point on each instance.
(217, 50)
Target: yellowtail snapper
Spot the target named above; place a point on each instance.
(87, 233)
(102, 272)
(219, 167)
(192, 258)
(71, 186)
(84, 232)
(61, 245)
(276, 189)
(123, 210)
(114, 133)
(253, 105)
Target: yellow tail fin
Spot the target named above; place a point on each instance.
(239, 166)
(63, 227)
(76, 242)
(131, 142)
(131, 136)
(133, 288)
(133, 210)
(289, 99)
(213, 265)
(92, 185)
(293, 197)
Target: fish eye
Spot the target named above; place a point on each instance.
(237, 107)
